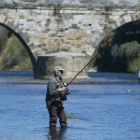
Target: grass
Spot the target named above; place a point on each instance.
(59, 6)
(61, 30)
(64, 50)
(58, 50)
(48, 20)
(134, 65)
(95, 67)
(15, 4)
(69, 116)
(16, 57)
(108, 8)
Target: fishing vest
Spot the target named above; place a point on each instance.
(58, 85)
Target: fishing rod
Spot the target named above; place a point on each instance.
(50, 102)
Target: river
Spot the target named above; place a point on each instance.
(103, 111)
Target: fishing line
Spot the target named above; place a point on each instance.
(90, 61)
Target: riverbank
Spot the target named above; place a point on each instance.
(94, 77)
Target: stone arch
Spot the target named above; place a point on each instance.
(100, 35)
(22, 35)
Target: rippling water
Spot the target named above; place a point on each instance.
(103, 112)
(17, 73)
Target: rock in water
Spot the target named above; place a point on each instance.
(130, 90)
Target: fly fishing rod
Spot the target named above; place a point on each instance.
(50, 102)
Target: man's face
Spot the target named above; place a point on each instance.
(59, 73)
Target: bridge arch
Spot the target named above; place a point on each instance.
(127, 24)
(100, 35)
(22, 35)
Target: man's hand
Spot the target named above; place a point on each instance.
(62, 89)
(67, 92)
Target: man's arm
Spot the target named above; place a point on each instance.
(51, 88)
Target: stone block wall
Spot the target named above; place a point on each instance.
(76, 2)
(73, 30)
(73, 63)
(79, 30)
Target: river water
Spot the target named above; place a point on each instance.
(103, 111)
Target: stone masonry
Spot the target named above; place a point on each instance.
(45, 30)
(71, 62)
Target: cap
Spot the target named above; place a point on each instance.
(58, 68)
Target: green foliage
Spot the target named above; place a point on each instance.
(64, 50)
(41, 5)
(16, 57)
(48, 20)
(59, 6)
(121, 52)
(3, 42)
(49, 5)
(69, 116)
(108, 8)
(126, 56)
(120, 58)
(57, 9)
(61, 30)
(58, 50)
(95, 67)
(77, 6)
(134, 65)
(3, 37)
(15, 3)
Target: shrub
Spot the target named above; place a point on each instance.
(65, 50)
(108, 8)
(70, 116)
(16, 57)
(59, 6)
(15, 3)
(134, 65)
(61, 30)
(48, 20)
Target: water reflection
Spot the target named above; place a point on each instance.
(55, 134)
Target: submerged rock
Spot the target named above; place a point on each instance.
(130, 91)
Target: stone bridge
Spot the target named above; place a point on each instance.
(45, 30)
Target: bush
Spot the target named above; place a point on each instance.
(108, 8)
(3, 37)
(48, 20)
(59, 6)
(16, 57)
(61, 30)
(119, 58)
(64, 50)
(134, 65)
(15, 3)
(70, 116)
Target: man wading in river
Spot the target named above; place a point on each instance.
(56, 86)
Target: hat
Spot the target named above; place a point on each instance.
(58, 68)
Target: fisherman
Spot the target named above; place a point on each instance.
(57, 86)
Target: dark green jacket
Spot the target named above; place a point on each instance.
(52, 89)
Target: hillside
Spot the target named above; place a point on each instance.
(13, 55)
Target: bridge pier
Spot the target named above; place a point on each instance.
(72, 62)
